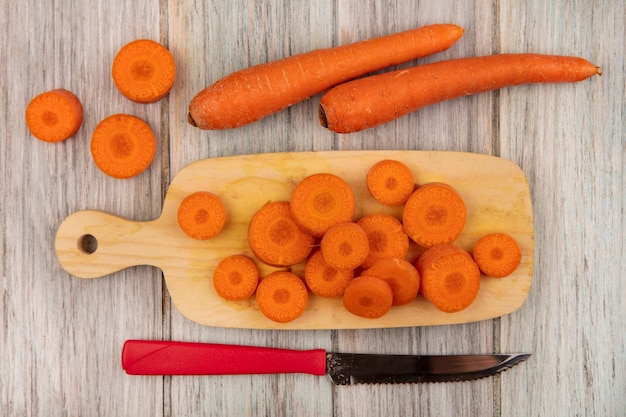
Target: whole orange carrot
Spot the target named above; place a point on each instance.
(250, 94)
(374, 100)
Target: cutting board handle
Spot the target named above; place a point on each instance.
(92, 244)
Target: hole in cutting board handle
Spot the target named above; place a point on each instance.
(87, 244)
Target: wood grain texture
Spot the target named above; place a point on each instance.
(61, 337)
(573, 144)
(59, 347)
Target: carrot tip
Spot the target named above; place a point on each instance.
(191, 121)
(322, 116)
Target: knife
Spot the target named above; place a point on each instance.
(151, 357)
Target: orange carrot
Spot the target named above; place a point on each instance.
(325, 280)
(497, 255)
(368, 296)
(282, 296)
(390, 182)
(54, 116)
(401, 276)
(275, 238)
(449, 277)
(236, 277)
(320, 201)
(144, 71)
(123, 146)
(201, 215)
(345, 246)
(374, 100)
(250, 94)
(435, 213)
(386, 237)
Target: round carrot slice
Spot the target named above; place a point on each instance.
(325, 280)
(123, 146)
(497, 255)
(390, 182)
(201, 215)
(386, 236)
(144, 71)
(282, 296)
(449, 277)
(368, 296)
(345, 245)
(435, 213)
(275, 238)
(401, 276)
(320, 201)
(54, 116)
(236, 277)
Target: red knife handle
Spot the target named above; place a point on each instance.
(151, 357)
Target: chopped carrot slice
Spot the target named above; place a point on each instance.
(497, 254)
(449, 277)
(54, 116)
(236, 277)
(201, 215)
(320, 201)
(325, 280)
(435, 213)
(144, 71)
(275, 238)
(123, 146)
(386, 237)
(282, 296)
(368, 296)
(345, 245)
(401, 276)
(390, 182)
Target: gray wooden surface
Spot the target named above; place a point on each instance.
(61, 337)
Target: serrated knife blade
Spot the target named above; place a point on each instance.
(151, 357)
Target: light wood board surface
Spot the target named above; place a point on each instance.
(495, 192)
(61, 337)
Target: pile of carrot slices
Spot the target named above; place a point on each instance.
(363, 261)
(122, 145)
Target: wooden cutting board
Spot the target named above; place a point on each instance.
(91, 244)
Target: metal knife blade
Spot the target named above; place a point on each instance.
(350, 368)
(150, 357)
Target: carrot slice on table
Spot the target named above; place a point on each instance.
(368, 296)
(449, 277)
(236, 277)
(275, 238)
(377, 99)
(401, 276)
(497, 255)
(54, 116)
(325, 280)
(345, 246)
(123, 146)
(250, 94)
(320, 201)
(435, 213)
(282, 296)
(201, 215)
(386, 237)
(144, 71)
(390, 182)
